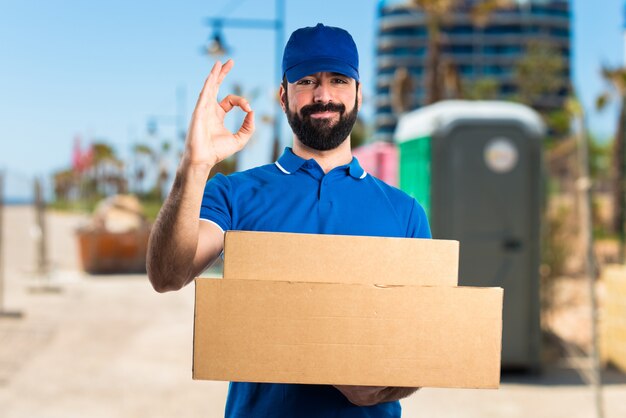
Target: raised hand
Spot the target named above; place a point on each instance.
(208, 141)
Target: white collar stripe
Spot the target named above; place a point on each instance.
(280, 167)
(363, 175)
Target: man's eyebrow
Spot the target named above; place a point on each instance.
(338, 75)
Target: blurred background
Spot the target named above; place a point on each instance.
(506, 119)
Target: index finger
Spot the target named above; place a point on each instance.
(228, 65)
(208, 91)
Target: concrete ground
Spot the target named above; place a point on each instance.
(109, 346)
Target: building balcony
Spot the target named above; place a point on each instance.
(463, 22)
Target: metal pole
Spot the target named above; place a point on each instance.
(280, 40)
(586, 225)
(43, 265)
(42, 249)
(3, 313)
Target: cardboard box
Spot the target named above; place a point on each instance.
(353, 334)
(340, 258)
(324, 309)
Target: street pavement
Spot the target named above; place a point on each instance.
(109, 346)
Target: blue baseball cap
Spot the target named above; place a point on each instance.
(321, 48)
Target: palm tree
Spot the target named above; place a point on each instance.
(101, 153)
(437, 12)
(539, 72)
(163, 170)
(107, 169)
(484, 88)
(143, 156)
(64, 183)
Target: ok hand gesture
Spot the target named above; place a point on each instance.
(208, 141)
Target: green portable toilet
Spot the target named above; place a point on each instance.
(476, 168)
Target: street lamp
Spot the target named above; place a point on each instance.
(217, 47)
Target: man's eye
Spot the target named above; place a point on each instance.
(340, 81)
(305, 82)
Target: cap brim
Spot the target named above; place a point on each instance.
(318, 65)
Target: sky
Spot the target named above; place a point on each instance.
(100, 70)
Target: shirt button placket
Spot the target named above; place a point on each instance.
(324, 205)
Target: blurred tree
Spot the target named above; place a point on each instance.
(482, 10)
(107, 171)
(402, 91)
(144, 158)
(64, 184)
(616, 80)
(485, 88)
(559, 122)
(163, 171)
(436, 12)
(102, 152)
(539, 73)
(439, 71)
(600, 157)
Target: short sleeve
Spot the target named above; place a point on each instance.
(216, 202)
(418, 222)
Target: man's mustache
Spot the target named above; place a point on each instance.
(322, 107)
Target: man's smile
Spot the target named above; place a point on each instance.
(327, 114)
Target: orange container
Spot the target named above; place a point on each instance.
(104, 252)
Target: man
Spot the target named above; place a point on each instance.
(315, 187)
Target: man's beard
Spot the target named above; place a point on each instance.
(321, 134)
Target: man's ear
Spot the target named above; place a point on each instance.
(282, 96)
(359, 95)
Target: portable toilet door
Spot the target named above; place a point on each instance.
(485, 191)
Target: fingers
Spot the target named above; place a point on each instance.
(204, 97)
(214, 81)
(361, 395)
(228, 65)
(247, 127)
(246, 130)
(231, 101)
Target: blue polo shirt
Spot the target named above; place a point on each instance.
(294, 195)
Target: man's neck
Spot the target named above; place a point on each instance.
(327, 160)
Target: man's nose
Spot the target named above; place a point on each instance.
(322, 93)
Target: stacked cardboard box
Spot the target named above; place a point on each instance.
(345, 310)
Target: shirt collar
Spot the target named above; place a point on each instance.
(289, 163)
(355, 169)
